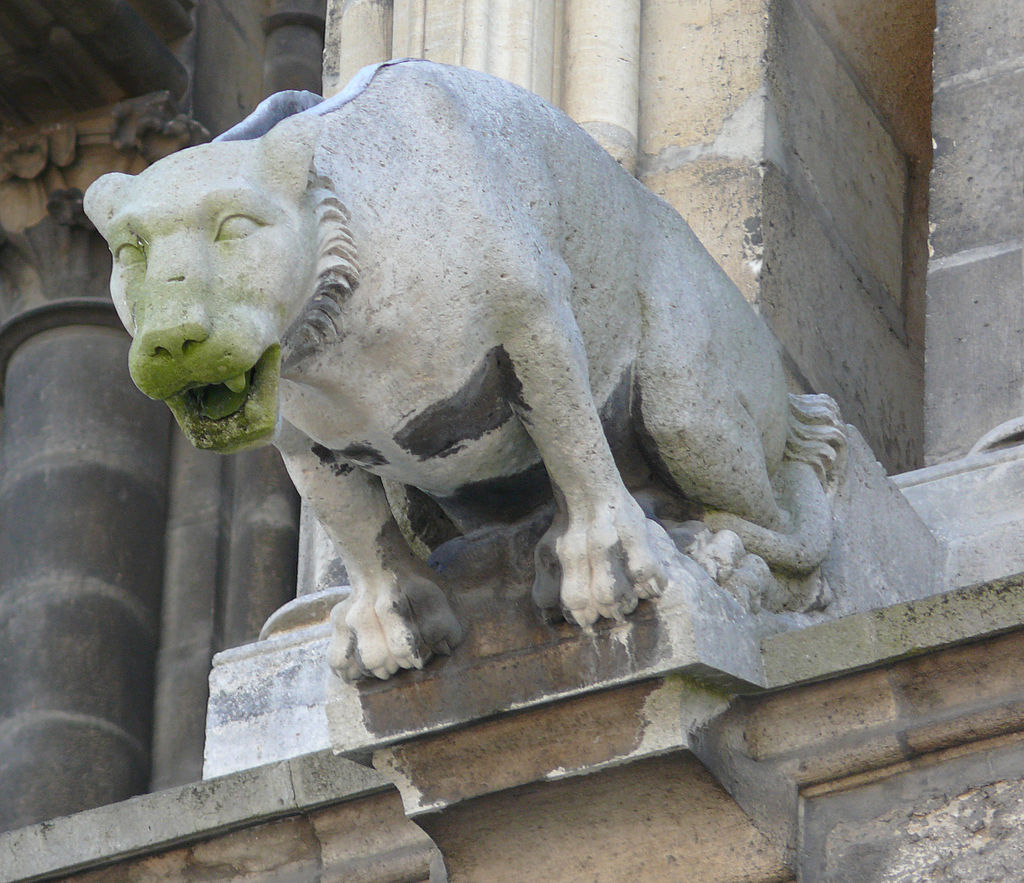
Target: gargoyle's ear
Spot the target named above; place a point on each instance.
(286, 152)
(104, 197)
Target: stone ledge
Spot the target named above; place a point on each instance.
(866, 640)
(773, 750)
(153, 822)
(274, 695)
(572, 737)
(269, 699)
(972, 505)
(512, 660)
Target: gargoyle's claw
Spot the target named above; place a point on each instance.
(619, 611)
(652, 588)
(610, 564)
(584, 617)
(394, 663)
(393, 626)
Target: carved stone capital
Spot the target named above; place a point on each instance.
(38, 162)
(26, 155)
(153, 127)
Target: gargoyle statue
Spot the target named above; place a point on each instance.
(435, 281)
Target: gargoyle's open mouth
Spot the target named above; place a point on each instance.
(239, 413)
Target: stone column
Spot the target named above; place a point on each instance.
(602, 73)
(261, 564)
(519, 40)
(295, 44)
(83, 463)
(358, 33)
(83, 459)
(188, 615)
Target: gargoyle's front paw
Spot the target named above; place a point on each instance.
(342, 656)
(378, 633)
(609, 562)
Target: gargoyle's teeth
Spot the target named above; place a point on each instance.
(236, 384)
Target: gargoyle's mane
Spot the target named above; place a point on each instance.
(337, 274)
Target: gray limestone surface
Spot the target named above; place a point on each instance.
(957, 820)
(973, 506)
(973, 372)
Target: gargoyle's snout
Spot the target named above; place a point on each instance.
(174, 342)
(163, 357)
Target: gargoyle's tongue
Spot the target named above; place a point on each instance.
(237, 384)
(220, 400)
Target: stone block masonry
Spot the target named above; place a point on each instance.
(974, 372)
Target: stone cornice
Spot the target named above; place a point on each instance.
(63, 56)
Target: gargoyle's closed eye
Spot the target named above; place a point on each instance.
(237, 227)
(130, 254)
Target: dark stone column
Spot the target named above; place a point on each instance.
(188, 631)
(295, 45)
(83, 460)
(262, 562)
(82, 498)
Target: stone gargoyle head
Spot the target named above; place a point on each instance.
(215, 251)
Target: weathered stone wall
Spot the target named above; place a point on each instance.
(974, 374)
(845, 223)
(910, 772)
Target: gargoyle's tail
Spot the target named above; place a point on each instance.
(814, 462)
(817, 437)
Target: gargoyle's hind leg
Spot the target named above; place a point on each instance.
(717, 450)
(714, 456)
(701, 433)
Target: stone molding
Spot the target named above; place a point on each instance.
(208, 811)
(268, 699)
(56, 314)
(780, 753)
(63, 56)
